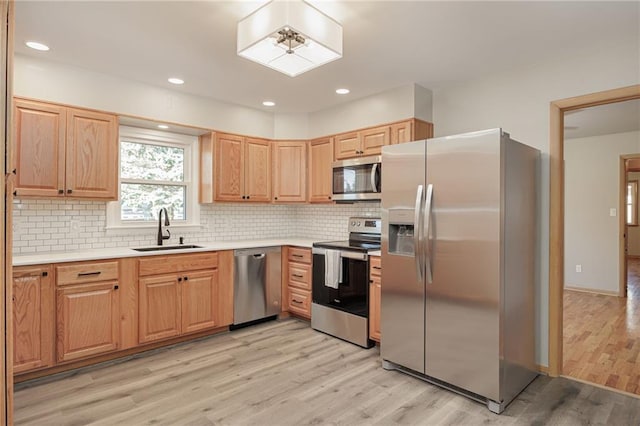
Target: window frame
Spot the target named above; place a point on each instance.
(190, 169)
(633, 221)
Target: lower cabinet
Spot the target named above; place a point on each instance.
(175, 304)
(33, 318)
(299, 281)
(88, 320)
(375, 292)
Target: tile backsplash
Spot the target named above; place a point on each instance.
(65, 225)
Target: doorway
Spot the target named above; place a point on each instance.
(556, 219)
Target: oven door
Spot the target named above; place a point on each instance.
(357, 179)
(352, 294)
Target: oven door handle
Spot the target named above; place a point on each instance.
(354, 255)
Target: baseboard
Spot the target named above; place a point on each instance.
(591, 290)
(543, 369)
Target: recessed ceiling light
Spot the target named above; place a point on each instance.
(37, 46)
(342, 91)
(174, 80)
(162, 126)
(269, 103)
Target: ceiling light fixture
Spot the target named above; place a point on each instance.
(174, 80)
(37, 46)
(291, 36)
(162, 126)
(342, 91)
(268, 103)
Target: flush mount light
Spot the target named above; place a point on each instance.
(268, 103)
(289, 36)
(162, 126)
(37, 46)
(342, 91)
(174, 80)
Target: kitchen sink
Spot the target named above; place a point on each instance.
(160, 248)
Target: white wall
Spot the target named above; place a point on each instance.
(633, 232)
(291, 126)
(518, 100)
(396, 104)
(55, 82)
(592, 188)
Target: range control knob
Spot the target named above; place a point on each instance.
(358, 223)
(353, 223)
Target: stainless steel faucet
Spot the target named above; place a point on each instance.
(166, 223)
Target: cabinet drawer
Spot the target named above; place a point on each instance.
(86, 272)
(300, 302)
(375, 265)
(177, 263)
(300, 275)
(301, 255)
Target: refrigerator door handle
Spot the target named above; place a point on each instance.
(427, 230)
(417, 225)
(374, 169)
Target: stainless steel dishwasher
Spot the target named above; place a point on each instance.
(257, 284)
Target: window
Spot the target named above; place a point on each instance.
(632, 203)
(157, 169)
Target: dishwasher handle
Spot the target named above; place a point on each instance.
(259, 255)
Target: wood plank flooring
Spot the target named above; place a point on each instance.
(602, 336)
(285, 373)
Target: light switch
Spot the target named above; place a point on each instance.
(578, 268)
(612, 212)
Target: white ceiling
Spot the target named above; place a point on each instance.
(600, 120)
(386, 43)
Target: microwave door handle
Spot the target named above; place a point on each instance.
(427, 231)
(374, 170)
(416, 233)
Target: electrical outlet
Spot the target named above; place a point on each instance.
(578, 268)
(612, 212)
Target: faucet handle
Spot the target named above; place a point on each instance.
(166, 237)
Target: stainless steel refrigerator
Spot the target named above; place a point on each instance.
(458, 263)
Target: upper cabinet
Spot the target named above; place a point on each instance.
(320, 177)
(64, 152)
(410, 130)
(289, 171)
(362, 143)
(234, 168)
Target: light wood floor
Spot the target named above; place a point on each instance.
(602, 336)
(285, 373)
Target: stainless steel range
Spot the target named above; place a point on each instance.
(341, 282)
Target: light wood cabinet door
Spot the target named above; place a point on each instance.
(375, 292)
(402, 132)
(320, 171)
(346, 145)
(199, 300)
(290, 171)
(88, 320)
(39, 148)
(91, 155)
(33, 318)
(159, 307)
(229, 173)
(372, 140)
(257, 170)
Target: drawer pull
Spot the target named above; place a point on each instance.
(377, 267)
(45, 273)
(297, 255)
(297, 301)
(88, 274)
(298, 275)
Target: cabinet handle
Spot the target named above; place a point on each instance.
(186, 278)
(44, 274)
(298, 276)
(371, 281)
(329, 197)
(244, 197)
(14, 171)
(69, 191)
(297, 301)
(248, 197)
(179, 279)
(376, 267)
(15, 193)
(297, 255)
(275, 198)
(87, 274)
(115, 287)
(60, 191)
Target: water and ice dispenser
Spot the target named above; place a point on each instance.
(401, 232)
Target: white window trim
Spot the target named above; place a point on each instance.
(115, 226)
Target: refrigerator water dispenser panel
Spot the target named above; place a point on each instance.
(401, 232)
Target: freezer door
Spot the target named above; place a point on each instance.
(402, 304)
(463, 250)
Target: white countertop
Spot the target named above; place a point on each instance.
(118, 252)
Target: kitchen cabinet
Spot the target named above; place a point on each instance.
(88, 309)
(410, 130)
(320, 171)
(33, 318)
(361, 143)
(375, 291)
(64, 152)
(299, 281)
(180, 294)
(289, 171)
(234, 168)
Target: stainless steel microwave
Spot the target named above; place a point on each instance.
(357, 179)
